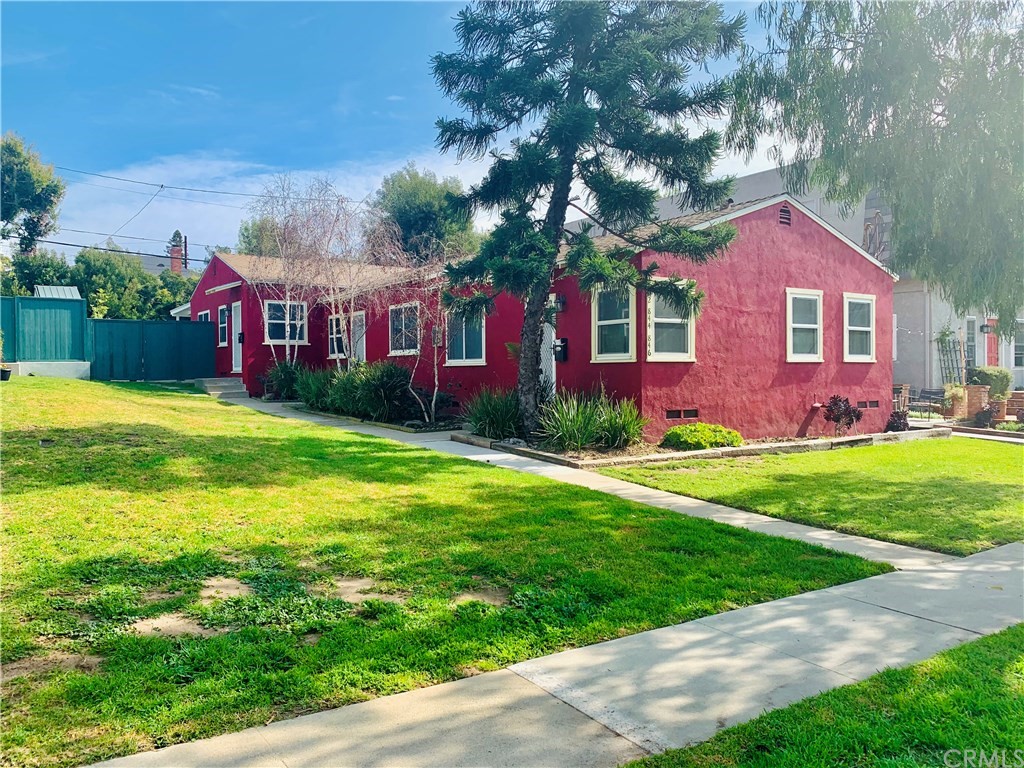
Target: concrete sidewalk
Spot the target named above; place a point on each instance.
(606, 704)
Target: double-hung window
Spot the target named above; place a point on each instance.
(859, 328)
(222, 326)
(337, 341)
(404, 329)
(971, 341)
(803, 325)
(466, 340)
(285, 322)
(612, 332)
(1018, 345)
(670, 333)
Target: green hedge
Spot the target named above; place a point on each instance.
(998, 379)
(699, 436)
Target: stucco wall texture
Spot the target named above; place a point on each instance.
(740, 376)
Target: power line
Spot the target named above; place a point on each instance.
(146, 205)
(118, 250)
(193, 189)
(162, 197)
(125, 237)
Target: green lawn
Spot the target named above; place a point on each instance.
(957, 495)
(971, 697)
(119, 501)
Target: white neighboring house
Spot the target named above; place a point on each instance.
(920, 313)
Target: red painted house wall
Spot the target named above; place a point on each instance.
(740, 377)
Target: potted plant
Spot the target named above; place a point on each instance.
(998, 403)
(955, 401)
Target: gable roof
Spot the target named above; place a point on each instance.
(57, 292)
(699, 220)
(268, 269)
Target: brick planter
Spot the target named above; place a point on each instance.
(977, 400)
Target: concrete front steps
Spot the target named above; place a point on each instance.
(227, 387)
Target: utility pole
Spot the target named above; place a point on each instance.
(184, 258)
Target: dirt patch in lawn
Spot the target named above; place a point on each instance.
(491, 595)
(48, 663)
(221, 588)
(158, 595)
(358, 590)
(173, 625)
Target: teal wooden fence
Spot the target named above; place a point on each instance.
(37, 329)
(57, 330)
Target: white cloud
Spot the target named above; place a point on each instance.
(102, 205)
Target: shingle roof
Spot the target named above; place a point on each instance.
(57, 292)
(689, 220)
(268, 269)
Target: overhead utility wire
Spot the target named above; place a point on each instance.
(146, 205)
(163, 197)
(119, 250)
(127, 237)
(193, 189)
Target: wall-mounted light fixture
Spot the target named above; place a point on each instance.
(437, 336)
(560, 303)
(986, 328)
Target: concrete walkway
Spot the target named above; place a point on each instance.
(606, 704)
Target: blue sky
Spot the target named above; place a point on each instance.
(220, 95)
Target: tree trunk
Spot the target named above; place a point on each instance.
(530, 340)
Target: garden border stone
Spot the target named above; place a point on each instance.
(992, 432)
(366, 422)
(796, 446)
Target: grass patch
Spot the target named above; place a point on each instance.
(121, 501)
(959, 496)
(971, 697)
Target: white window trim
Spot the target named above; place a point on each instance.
(865, 298)
(669, 357)
(629, 357)
(807, 293)
(466, 362)
(1013, 348)
(303, 342)
(967, 339)
(392, 352)
(200, 318)
(226, 309)
(351, 324)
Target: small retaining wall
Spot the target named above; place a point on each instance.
(800, 446)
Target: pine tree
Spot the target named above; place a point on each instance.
(594, 95)
(177, 241)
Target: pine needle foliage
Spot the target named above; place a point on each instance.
(590, 105)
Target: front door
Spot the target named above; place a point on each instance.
(236, 337)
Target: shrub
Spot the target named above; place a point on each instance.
(571, 421)
(494, 413)
(281, 380)
(984, 417)
(998, 380)
(621, 424)
(313, 387)
(1011, 426)
(838, 411)
(343, 393)
(383, 392)
(699, 436)
(897, 422)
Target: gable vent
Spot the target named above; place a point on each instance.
(785, 216)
